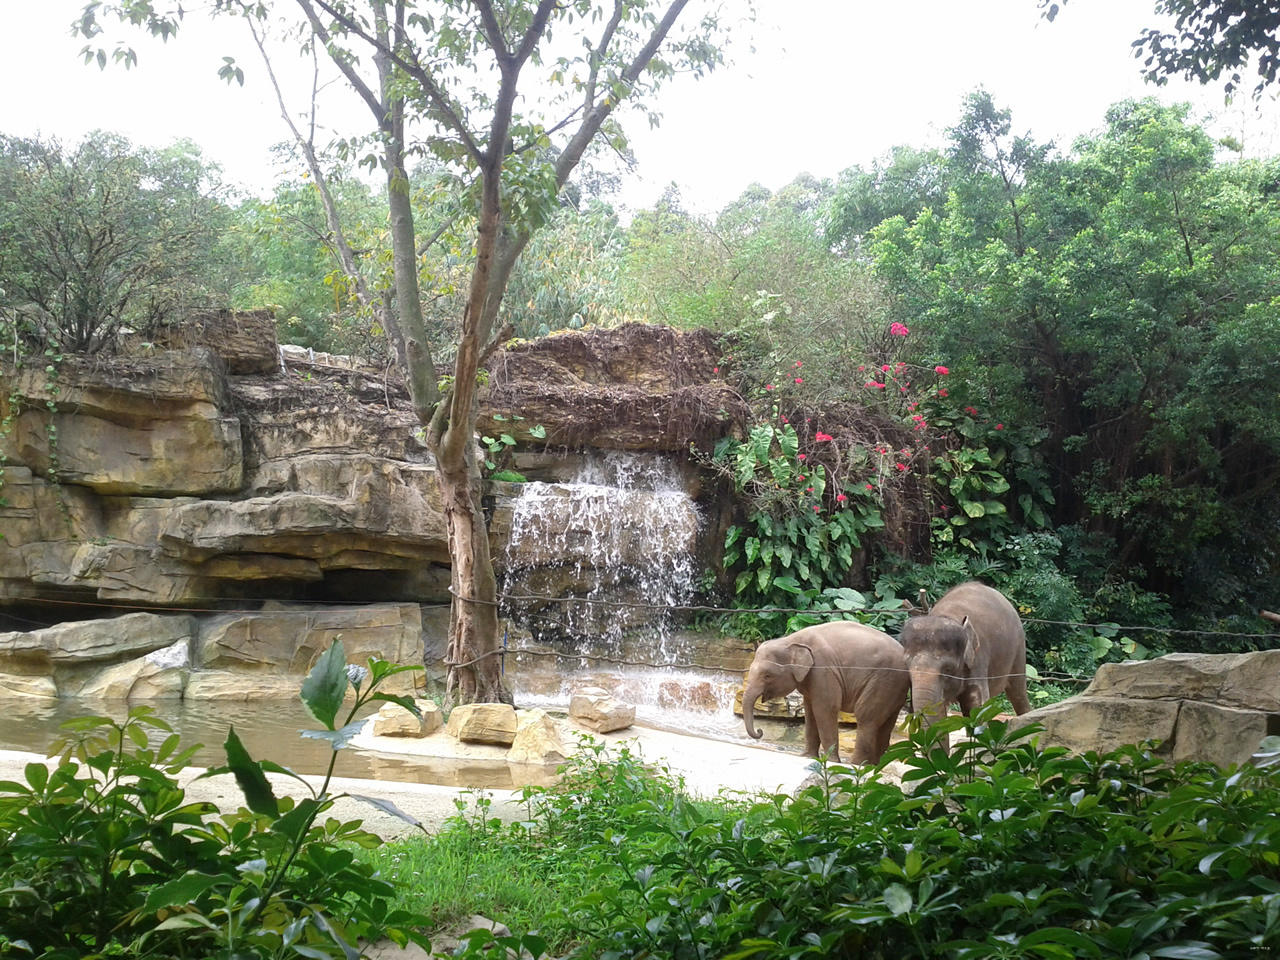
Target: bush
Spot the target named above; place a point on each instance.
(104, 855)
(998, 849)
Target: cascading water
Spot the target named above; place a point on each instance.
(603, 558)
(594, 570)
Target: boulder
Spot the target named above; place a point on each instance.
(1247, 680)
(285, 638)
(540, 739)
(393, 720)
(483, 723)
(92, 641)
(145, 678)
(42, 688)
(596, 710)
(1201, 706)
(245, 341)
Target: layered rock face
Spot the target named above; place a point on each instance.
(225, 473)
(1214, 707)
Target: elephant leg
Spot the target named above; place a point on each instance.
(1017, 693)
(812, 746)
(970, 699)
(869, 746)
(829, 733)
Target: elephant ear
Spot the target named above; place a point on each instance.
(801, 661)
(971, 643)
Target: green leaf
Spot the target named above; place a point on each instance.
(897, 898)
(338, 739)
(181, 891)
(973, 508)
(253, 782)
(326, 685)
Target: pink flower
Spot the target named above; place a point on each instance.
(885, 368)
(917, 418)
(808, 489)
(785, 420)
(768, 386)
(901, 466)
(841, 498)
(870, 487)
(801, 478)
(971, 411)
(999, 426)
(941, 371)
(799, 379)
(801, 457)
(821, 437)
(798, 363)
(898, 330)
(816, 508)
(879, 386)
(942, 393)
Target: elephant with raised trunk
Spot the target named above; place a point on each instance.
(835, 666)
(968, 648)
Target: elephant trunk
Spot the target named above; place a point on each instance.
(750, 695)
(929, 701)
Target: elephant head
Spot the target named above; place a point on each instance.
(940, 653)
(778, 668)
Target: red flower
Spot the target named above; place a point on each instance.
(821, 437)
(861, 369)
(800, 457)
(999, 426)
(798, 363)
(801, 478)
(898, 330)
(808, 489)
(799, 379)
(816, 508)
(768, 386)
(885, 368)
(841, 498)
(971, 411)
(901, 466)
(941, 371)
(785, 420)
(942, 393)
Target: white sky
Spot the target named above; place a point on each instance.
(831, 83)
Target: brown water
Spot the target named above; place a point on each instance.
(269, 731)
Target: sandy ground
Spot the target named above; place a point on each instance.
(707, 767)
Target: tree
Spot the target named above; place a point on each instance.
(1210, 36)
(456, 66)
(104, 236)
(1133, 319)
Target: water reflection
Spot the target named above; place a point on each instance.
(269, 730)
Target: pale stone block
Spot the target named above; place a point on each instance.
(483, 723)
(603, 714)
(540, 738)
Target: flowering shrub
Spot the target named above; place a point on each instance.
(798, 543)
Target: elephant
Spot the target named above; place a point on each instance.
(836, 666)
(968, 648)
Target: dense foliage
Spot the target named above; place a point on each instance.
(104, 236)
(1049, 368)
(996, 850)
(104, 855)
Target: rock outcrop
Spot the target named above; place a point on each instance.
(1214, 707)
(211, 469)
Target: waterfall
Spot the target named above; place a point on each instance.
(624, 530)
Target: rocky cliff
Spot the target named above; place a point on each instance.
(190, 478)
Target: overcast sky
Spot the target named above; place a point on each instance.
(831, 83)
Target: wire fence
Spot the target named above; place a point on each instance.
(579, 656)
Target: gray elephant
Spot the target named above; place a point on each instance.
(968, 648)
(835, 666)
